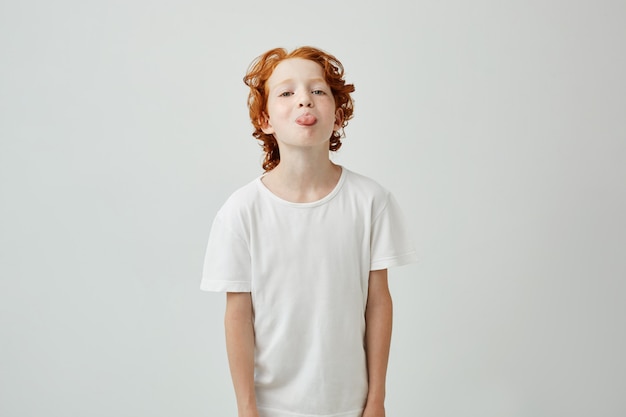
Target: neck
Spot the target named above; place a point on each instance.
(303, 176)
(304, 170)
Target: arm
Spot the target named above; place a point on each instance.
(238, 323)
(378, 322)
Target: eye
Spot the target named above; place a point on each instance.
(285, 94)
(319, 92)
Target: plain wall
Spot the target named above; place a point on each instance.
(499, 126)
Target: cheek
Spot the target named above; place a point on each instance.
(277, 109)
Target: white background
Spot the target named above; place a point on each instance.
(500, 126)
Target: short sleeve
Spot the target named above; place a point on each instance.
(227, 261)
(390, 241)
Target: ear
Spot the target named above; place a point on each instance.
(338, 119)
(266, 126)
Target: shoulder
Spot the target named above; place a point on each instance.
(365, 186)
(240, 201)
(237, 211)
(367, 192)
(244, 195)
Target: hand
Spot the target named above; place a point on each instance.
(374, 411)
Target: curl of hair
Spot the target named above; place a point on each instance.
(260, 71)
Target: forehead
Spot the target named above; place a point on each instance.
(295, 69)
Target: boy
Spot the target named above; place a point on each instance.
(302, 253)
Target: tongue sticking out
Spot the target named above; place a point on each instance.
(306, 120)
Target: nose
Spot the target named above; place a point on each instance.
(305, 101)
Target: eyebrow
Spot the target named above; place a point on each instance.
(290, 80)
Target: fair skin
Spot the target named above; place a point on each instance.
(378, 323)
(301, 115)
(238, 322)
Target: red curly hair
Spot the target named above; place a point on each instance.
(260, 71)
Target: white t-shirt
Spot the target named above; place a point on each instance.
(307, 267)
